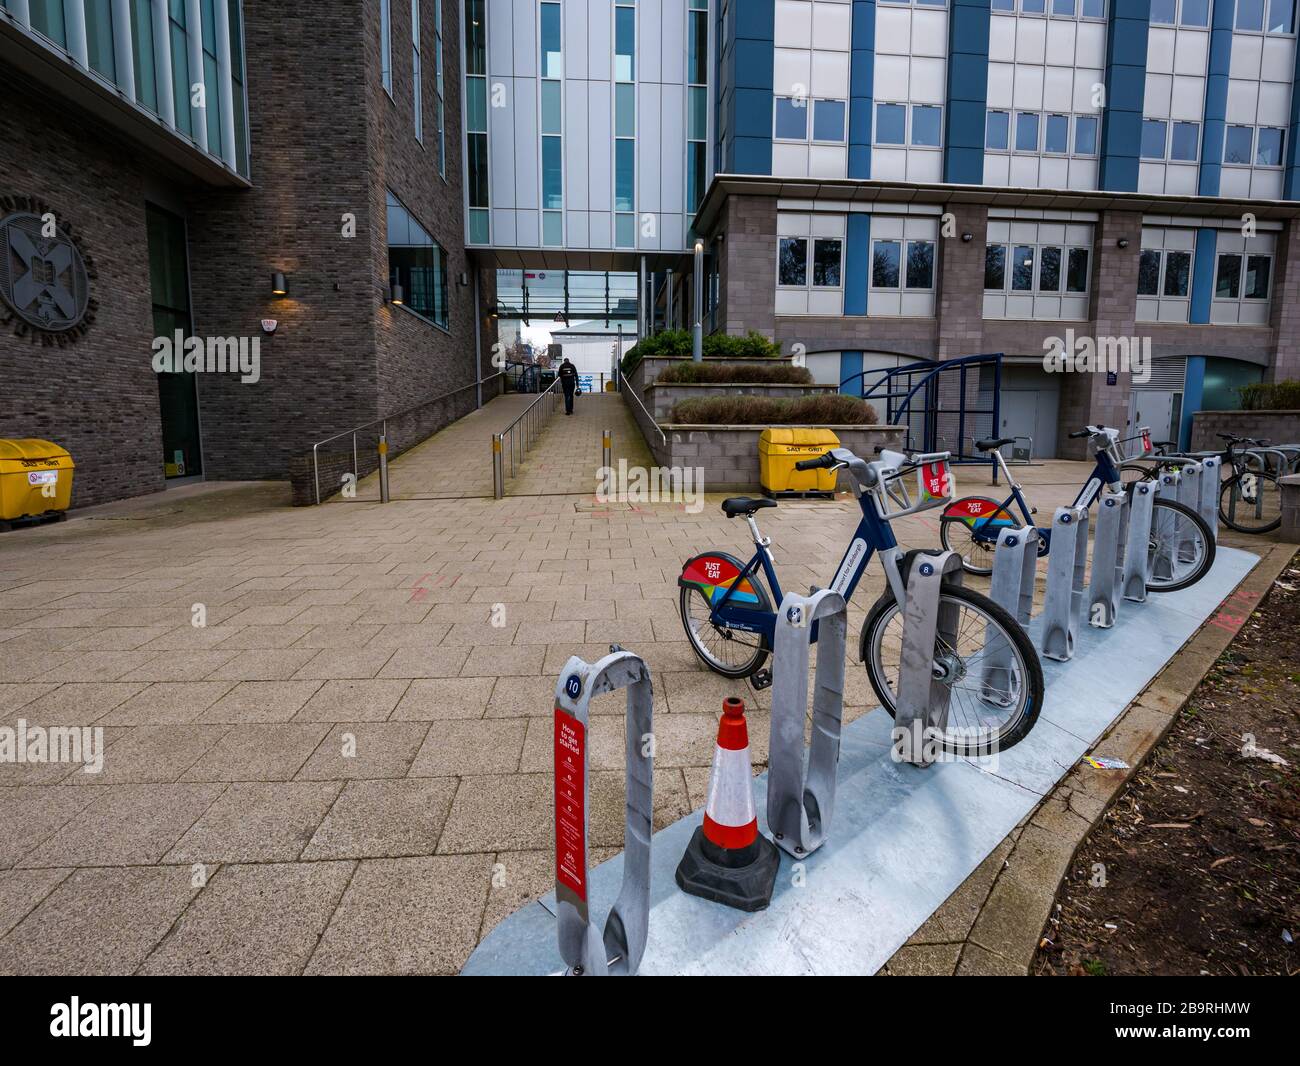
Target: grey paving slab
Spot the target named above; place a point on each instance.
(372, 819)
(259, 753)
(257, 822)
(354, 701)
(98, 921)
(22, 890)
(365, 749)
(262, 920)
(260, 701)
(430, 699)
(406, 916)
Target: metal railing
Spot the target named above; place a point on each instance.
(630, 390)
(383, 438)
(523, 432)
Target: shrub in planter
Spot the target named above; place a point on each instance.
(690, 373)
(829, 410)
(677, 344)
(1271, 396)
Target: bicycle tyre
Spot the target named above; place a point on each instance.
(1226, 489)
(1207, 536)
(761, 652)
(873, 632)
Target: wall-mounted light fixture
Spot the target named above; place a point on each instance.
(279, 286)
(967, 238)
(1122, 242)
(396, 295)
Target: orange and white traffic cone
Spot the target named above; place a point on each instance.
(727, 860)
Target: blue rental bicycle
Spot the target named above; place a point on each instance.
(729, 619)
(1181, 545)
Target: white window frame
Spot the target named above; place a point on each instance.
(1207, 25)
(810, 243)
(1265, 32)
(1241, 297)
(908, 108)
(417, 73)
(904, 244)
(1017, 9)
(386, 45)
(1036, 288)
(1162, 271)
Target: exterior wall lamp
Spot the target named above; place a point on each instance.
(396, 295)
(967, 238)
(279, 286)
(1122, 242)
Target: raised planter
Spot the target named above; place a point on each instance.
(1280, 427)
(659, 399)
(728, 455)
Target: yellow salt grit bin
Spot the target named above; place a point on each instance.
(35, 478)
(780, 447)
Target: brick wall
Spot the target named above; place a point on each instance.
(747, 266)
(1279, 427)
(96, 396)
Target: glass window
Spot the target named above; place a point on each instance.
(1149, 273)
(624, 110)
(826, 262)
(891, 124)
(475, 37)
(884, 264)
(552, 228)
(552, 48)
(553, 171)
(828, 120)
(1280, 14)
(792, 263)
(1022, 269)
(624, 43)
(418, 263)
(698, 118)
(47, 17)
(997, 127)
(1026, 131)
(920, 264)
(480, 230)
(99, 37)
(1056, 135)
(1227, 280)
(180, 67)
(1033, 7)
(1049, 269)
(625, 231)
(476, 104)
(1154, 135)
(995, 266)
(925, 125)
(1268, 147)
(1164, 11)
(551, 107)
(1085, 135)
(1063, 7)
(1093, 9)
(1196, 13)
(1178, 272)
(1257, 271)
(146, 84)
(1185, 142)
(1003, 5)
(1237, 145)
(416, 79)
(385, 44)
(696, 178)
(791, 118)
(1076, 275)
(476, 149)
(624, 175)
(697, 50)
(1250, 14)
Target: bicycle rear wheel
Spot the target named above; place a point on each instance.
(1251, 502)
(990, 665)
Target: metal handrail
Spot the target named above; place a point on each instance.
(315, 464)
(631, 390)
(532, 421)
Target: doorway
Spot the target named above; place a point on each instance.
(178, 399)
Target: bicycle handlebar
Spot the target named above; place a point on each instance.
(821, 462)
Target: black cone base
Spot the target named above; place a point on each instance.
(746, 887)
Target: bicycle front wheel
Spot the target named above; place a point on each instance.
(1180, 549)
(985, 658)
(1251, 502)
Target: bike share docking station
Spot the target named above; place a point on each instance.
(868, 847)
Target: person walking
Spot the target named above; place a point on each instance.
(569, 383)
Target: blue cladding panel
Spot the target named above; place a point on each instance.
(862, 75)
(1291, 187)
(1193, 394)
(1216, 101)
(968, 77)
(745, 85)
(1203, 275)
(850, 364)
(1126, 73)
(857, 258)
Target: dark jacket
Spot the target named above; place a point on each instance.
(568, 376)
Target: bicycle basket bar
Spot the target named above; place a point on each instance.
(934, 483)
